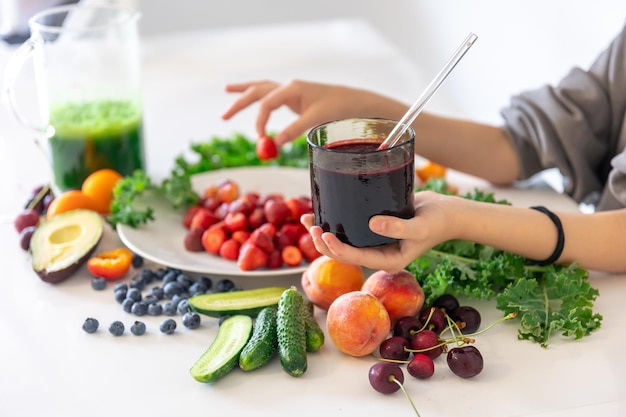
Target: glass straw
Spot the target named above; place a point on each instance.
(408, 118)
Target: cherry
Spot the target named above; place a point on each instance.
(394, 348)
(383, 375)
(428, 343)
(387, 378)
(465, 361)
(421, 366)
(467, 318)
(447, 302)
(434, 318)
(25, 236)
(407, 326)
(28, 217)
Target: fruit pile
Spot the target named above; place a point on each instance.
(257, 231)
(95, 194)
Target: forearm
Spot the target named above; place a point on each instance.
(474, 148)
(593, 241)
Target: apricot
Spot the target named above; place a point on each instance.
(357, 323)
(400, 293)
(325, 279)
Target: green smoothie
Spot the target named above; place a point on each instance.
(89, 136)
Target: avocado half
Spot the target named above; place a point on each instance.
(62, 244)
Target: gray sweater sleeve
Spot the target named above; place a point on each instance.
(577, 126)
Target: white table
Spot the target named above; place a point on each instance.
(50, 367)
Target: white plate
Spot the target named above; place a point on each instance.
(161, 241)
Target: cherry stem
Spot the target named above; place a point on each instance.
(38, 197)
(406, 394)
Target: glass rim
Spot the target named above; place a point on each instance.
(410, 131)
(125, 15)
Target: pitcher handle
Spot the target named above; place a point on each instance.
(11, 73)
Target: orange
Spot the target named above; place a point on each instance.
(70, 200)
(325, 279)
(99, 186)
(430, 170)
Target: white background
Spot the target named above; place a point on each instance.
(521, 45)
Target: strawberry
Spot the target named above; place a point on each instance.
(268, 228)
(241, 205)
(193, 240)
(203, 219)
(307, 247)
(281, 240)
(276, 211)
(191, 211)
(236, 221)
(274, 260)
(230, 249)
(251, 257)
(262, 240)
(256, 218)
(266, 148)
(227, 191)
(298, 207)
(291, 255)
(293, 231)
(213, 238)
(240, 236)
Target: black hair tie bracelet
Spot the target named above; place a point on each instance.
(560, 240)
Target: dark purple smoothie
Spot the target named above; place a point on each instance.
(354, 181)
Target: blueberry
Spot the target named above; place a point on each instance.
(169, 277)
(157, 292)
(147, 276)
(127, 304)
(116, 328)
(173, 288)
(197, 288)
(138, 328)
(137, 261)
(160, 273)
(184, 280)
(137, 284)
(139, 308)
(134, 294)
(205, 282)
(98, 283)
(176, 299)
(150, 299)
(121, 286)
(167, 326)
(120, 295)
(183, 306)
(155, 309)
(191, 320)
(90, 325)
(225, 285)
(169, 309)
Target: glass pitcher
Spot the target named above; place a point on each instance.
(87, 75)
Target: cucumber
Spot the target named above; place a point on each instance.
(264, 341)
(291, 332)
(314, 333)
(223, 353)
(246, 302)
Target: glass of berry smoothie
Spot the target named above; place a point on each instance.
(88, 91)
(352, 180)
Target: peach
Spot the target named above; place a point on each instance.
(357, 323)
(326, 279)
(400, 292)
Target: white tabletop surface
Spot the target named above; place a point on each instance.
(50, 367)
